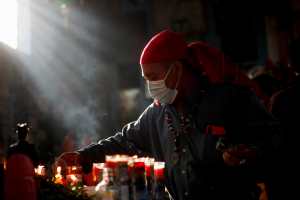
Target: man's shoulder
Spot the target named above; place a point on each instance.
(152, 111)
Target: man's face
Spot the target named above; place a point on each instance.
(154, 72)
(158, 71)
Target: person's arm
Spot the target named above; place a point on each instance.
(133, 140)
(251, 129)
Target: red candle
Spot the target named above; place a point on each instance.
(110, 161)
(97, 172)
(159, 168)
(139, 166)
(149, 164)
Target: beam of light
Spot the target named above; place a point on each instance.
(68, 72)
(9, 23)
(72, 73)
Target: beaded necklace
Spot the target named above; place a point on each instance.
(185, 126)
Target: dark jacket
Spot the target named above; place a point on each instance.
(23, 147)
(194, 166)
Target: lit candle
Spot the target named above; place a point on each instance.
(40, 170)
(4, 164)
(58, 177)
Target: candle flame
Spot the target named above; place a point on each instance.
(58, 179)
(4, 164)
(58, 170)
(58, 176)
(40, 170)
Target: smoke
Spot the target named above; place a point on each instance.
(68, 81)
(73, 78)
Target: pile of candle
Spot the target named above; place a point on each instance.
(128, 177)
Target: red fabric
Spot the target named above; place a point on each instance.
(217, 67)
(19, 178)
(164, 46)
(171, 46)
(215, 130)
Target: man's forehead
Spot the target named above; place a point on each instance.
(155, 66)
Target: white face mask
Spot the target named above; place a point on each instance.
(159, 91)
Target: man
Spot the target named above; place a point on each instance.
(214, 136)
(22, 146)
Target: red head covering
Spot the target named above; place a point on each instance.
(164, 46)
(170, 46)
